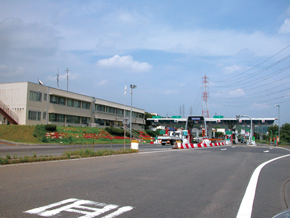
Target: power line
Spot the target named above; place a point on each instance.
(233, 78)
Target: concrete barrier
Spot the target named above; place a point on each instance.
(203, 144)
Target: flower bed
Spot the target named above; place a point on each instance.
(56, 135)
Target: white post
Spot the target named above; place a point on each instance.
(278, 120)
(132, 87)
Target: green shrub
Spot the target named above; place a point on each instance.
(50, 127)
(44, 139)
(152, 133)
(115, 131)
(5, 161)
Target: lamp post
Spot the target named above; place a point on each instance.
(132, 87)
(250, 139)
(277, 105)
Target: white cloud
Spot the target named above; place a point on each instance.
(229, 93)
(26, 40)
(285, 28)
(102, 82)
(237, 92)
(232, 69)
(125, 63)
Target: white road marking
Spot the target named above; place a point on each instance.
(246, 207)
(266, 151)
(87, 208)
(223, 149)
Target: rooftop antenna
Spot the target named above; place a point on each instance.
(40, 83)
(57, 78)
(67, 77)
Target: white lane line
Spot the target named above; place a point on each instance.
(246, 207)
(266, 151)
(89, 209)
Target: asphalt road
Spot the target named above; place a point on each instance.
(156, 182)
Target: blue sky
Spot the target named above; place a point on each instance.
(163, 47)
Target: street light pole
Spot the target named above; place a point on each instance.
(250, 139)
(277, 105)
(132, 87)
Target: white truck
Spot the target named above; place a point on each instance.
(171, 137)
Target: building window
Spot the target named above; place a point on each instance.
(56, 118)
(77, 104)
(57, 100)
(35, 96)
(101, 122)
(119, 111)
(86, 105)
(73, 103)
(100, 108)
(134, 114)
(73, 119)
(70, 102)
(107, 122)
(110, 110)
(128, 113)
(141, 115)
(85, 120)
(34, 115)
(45, 97)
(44, 115)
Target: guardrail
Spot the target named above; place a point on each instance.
(10, 115)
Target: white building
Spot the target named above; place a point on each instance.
(27, 103)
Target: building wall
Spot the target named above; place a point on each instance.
(14, 95)
(39, 104)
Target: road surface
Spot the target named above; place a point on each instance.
(208, 182)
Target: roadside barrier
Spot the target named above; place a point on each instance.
(135, 144)
(203, 144)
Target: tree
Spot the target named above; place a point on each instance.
(148, 123)
(285, 132)
(273, 130)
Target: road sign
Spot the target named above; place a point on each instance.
(126, 121)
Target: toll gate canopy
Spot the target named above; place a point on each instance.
(219, 122)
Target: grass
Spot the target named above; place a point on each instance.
(66, 135)
(18, 133)
(81, 153)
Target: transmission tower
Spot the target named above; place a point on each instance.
(205, 112)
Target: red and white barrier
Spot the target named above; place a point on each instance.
(203, 144)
